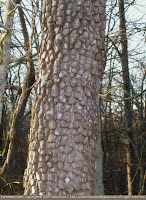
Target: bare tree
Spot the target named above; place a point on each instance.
(14, 150)
(5, 42)
(119, 91)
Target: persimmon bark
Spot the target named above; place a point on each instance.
(65, 117)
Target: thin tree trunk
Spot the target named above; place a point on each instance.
(128, 107)
(99, 188)
(64, 125)
(5, 42)
(142, 122)
(129, 172)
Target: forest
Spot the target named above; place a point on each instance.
(72, 97)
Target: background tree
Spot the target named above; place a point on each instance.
(14, 151)
(115, 85)
(5, 42)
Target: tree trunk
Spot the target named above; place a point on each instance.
(64, 125)
(128, 107)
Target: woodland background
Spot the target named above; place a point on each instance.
(122, 97)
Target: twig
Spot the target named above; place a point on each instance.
(16, 6)
(125, 99)
(24, 59)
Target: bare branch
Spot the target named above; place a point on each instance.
(4, 27)
(118, 51)
(16, 6)
(14, 87)
(24, 59)
(125, 99)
